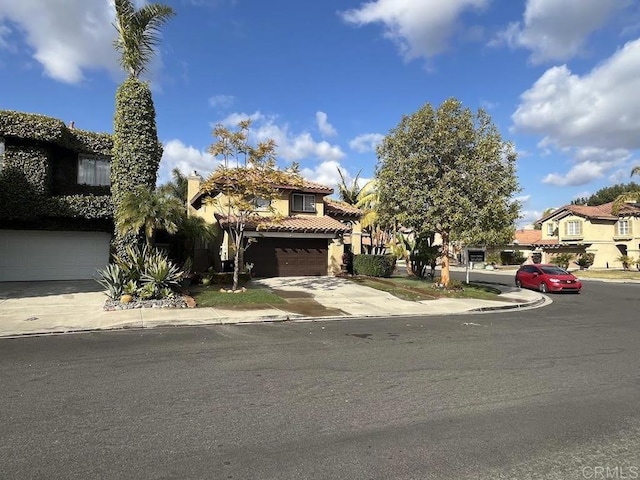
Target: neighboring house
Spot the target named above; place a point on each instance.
(580, 229)
(56, 216)
(308, 240)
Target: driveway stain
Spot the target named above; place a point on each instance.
(303, 303)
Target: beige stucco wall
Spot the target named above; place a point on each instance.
(598, 237)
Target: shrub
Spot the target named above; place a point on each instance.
(374, 265)
(562, 260)
(585, 260)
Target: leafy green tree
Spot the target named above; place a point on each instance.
(245, 184)
(136, 149)
(448, 171)
(611, 193)
(149, 210)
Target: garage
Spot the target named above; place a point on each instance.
(30, 255)
(288, 257)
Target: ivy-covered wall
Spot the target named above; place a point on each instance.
(36, 145)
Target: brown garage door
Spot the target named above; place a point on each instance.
(288, 257)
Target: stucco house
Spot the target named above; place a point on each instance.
(56, 216)
(308, 240)
(580, 229)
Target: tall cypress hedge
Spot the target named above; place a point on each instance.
(136, 149)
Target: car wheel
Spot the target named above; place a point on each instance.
(518, 283)
(543, 287)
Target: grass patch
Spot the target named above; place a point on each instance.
(210, 296)
(608, 274)
(416, 289)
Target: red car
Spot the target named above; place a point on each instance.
(547, 278)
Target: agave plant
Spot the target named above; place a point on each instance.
(161, 273)
(113, 279)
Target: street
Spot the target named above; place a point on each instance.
(545, 393)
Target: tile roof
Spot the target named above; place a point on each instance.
(295, 223)
(596, 212)
(334, 207)
(528, 237)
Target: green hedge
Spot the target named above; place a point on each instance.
(40, 128)
(374, 265)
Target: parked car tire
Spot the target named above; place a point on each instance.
(518, 283)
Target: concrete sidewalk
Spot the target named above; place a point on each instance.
(58, 307)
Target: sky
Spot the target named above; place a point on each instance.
(328, 79)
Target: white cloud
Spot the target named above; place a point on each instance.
(523, 198)
(419, 28)
(221, 101)
(580, 174)
(326, 173)
(326, 129)
(292, 147)
(599, 109)
(528, 218)
(67, 36)
(558, 29)
(186, 159)
(366, 142)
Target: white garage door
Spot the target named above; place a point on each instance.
(38, 255)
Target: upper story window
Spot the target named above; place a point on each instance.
(550, 229)
(573, 228)
(93, 170)
(1, 153)
(262, 203)
(623, 227)
(303, 202)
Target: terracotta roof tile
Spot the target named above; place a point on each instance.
(528, 237)
(598, 212)
(296, 223)
(333, 207)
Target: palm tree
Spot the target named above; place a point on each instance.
(177, 187)
(138, 33)
(629, 197)
(149, 210)
(136, 149)
(349, 192)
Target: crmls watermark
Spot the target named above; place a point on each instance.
(605, 472)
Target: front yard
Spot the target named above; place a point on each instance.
(609, 274)
(211, 296)
(417, 289)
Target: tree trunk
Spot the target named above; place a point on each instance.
(236, 263)
(444, 262)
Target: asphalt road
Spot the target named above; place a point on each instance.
(550, 393)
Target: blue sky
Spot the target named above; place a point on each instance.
(328, 78)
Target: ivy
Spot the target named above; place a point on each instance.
(136, 149)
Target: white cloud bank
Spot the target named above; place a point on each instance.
(559, 29)
(419, 28)
(594, 117)
(186, 158)
(67, 37)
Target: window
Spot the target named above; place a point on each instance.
(1, 153)
(573, 228)
(94, 170)
(550, 229)
(623, 228)
(262, 203)
(304, 202)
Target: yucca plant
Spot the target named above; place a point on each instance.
(113, 279)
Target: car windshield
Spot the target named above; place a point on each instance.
(554, 271)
